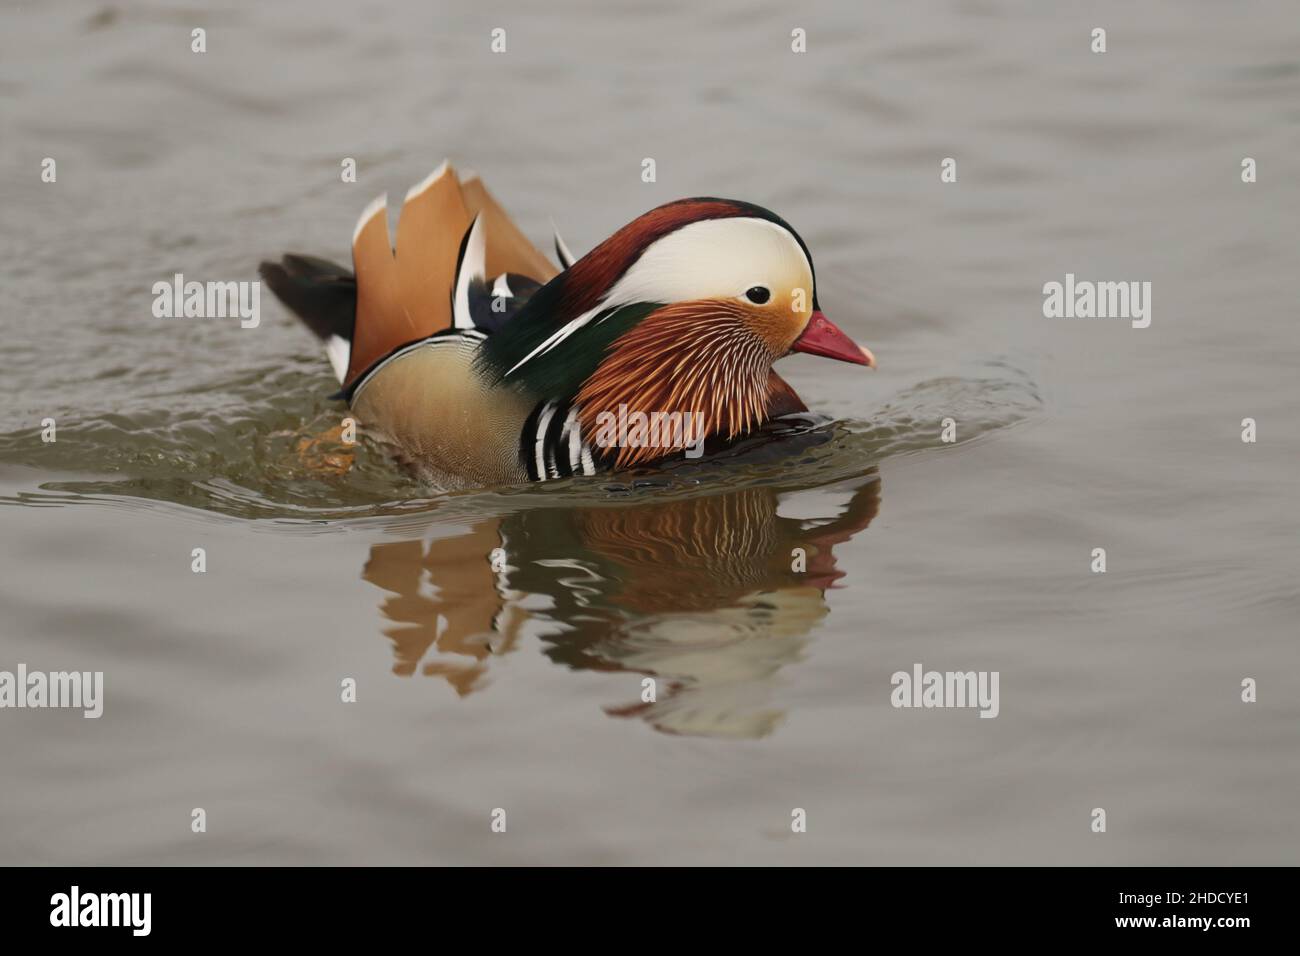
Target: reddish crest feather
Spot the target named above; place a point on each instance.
(591, 277)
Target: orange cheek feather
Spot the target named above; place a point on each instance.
(712, 356)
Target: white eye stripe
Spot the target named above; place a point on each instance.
(715, 258)
(709, 259)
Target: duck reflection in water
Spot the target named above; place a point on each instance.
(708, 595)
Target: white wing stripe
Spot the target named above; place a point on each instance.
(472, 267)
(559, 336)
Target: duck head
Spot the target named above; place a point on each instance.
(684, 309)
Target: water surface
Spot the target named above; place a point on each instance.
(515, 681)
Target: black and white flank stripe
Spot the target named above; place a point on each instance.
(551, 444)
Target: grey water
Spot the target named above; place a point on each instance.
(499, 640)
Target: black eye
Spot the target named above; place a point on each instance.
(758, 295)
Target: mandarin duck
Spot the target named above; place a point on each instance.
(479, 363)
